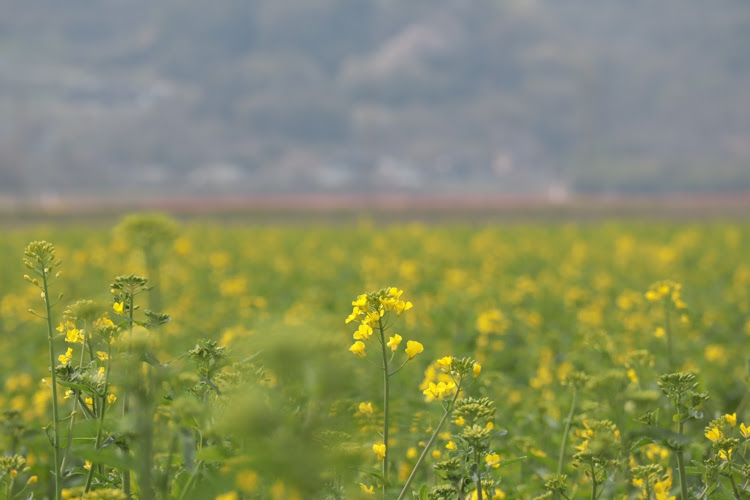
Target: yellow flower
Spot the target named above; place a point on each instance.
(87, 465)
(367, 490)
(660, 332)
(662, 489)
(451, 446)
(489, 426)
(247, 480)
(394, 341)
(111, 398)
(745, 431)
(69, 394)
(477, 369)
(726, 455)
(440, 390)
(118, 307)
(365, 408)
(731, 419)
(32, 480)
(460, 421)
(436, 454)
(714, 433)
(499, 494)
(354, 315)
(89, 401)
(232, 495)
(402, 306)
(445, 363)
(61, 328)
(411, 452)
(358, 348)
(65, 358)
(379, 450)
(363, 332)
(103, 356)
(493, 460)
(74, 336)
(413, 348)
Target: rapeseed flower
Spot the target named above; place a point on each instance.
(365, 408)
(441, 390)
(413, 348)
(67, 357)
(492, 460)
(394, 341)
(714, 433)
(358, 348)
(363, 332)
(379, 450)
(445, 363)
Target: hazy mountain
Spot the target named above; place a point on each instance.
(340, 95)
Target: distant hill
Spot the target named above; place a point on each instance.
(362, 96)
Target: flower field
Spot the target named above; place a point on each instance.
(197, 361)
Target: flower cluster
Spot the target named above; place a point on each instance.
(651, 478)
(371, 310)
(666, 291)
(719, 432)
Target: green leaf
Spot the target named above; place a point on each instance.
(511, 461)
(81, 387)
(211, 454)
(424, 492)
(640, 443)
(109, 456)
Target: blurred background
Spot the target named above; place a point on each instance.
(329, 99)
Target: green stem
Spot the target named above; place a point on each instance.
(448, 410)
(479, 477)
(75, 406)
(100, 427)
(55, 417)
(593, 482)
(126, 473)
(568, 423)
(386, 398)
(191, 480)
(734, 487)
(681, 461)
(168, 469)
(70, 433)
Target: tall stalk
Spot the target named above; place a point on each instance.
(100, 424)
(566, 432)
(448, 411)
(681, 462)
(126, 488)
(55, 411)
(386, 398)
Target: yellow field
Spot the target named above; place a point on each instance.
(557, 317)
